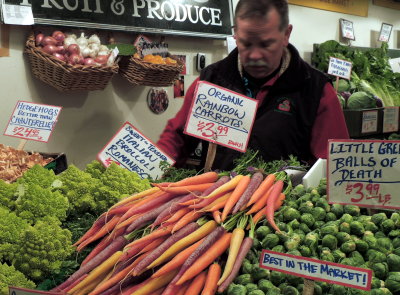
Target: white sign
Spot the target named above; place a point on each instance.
(364, 173)
(347, 29)
(25, 291)
(17, 14)
(340, 68)
(221, 116)
(390, 119)
(32, 121)
(369, 121)
(395, 64)
(319, 270)
(135, 152)
(386, 30)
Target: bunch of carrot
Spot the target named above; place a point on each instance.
(169, 239)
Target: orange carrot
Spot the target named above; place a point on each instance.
(273, 197)
(197, 284)
(217, 216)
(262, 189)
(178, 260)
(226, 187)
(177, 215)
(159, 232)
(180, 190)
(236, 194)
(197, 179)
(213, 275)
(189, 217)
(218, 204)
(263, 211)
(153, 284)
(191, 202)
(183, 288)
(260, 203)
(155, 243)
(205, 260)
(128, 221)
(137, 196)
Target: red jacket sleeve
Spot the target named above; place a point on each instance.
(171, 141)
(329, 124)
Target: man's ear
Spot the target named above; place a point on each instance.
(288, 31)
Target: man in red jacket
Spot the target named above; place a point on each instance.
(298, 108)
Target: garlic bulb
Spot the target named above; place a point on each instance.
(86, 51)
(82, 41)
(94, 39)
(71, 39)
(103, 52)
(94, 49)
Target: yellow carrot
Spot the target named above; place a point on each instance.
(104, 267)
(236, 194)
(226, 187)
(136, 196)
(153, 284)
(198, 234)
(216, 202)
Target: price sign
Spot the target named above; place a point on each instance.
(132, 150)
(386, 30)
(364, 173)
(390, 119)
(347, 29)
(221, 116)
(340, 68)
(319, 270)
(32, 121)
(369, 121)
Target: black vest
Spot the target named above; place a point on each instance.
(285, 119)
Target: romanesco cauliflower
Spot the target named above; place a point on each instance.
(42, 248)
(38, 175)
(7, 194)
(95, 168)
(9, 276)
(35, 202)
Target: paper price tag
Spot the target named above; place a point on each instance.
(132, 150)
(390, 119)
(347, 29)
(318, 270)
(17, 14)
(385, 32)
(364, 173)
(32, 121)
(340, 68)
(221, 116)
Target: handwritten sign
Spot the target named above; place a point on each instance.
(135, 152)
(17, 15)
(25, 291)
(369, 121)
(221, 116)
(386, 30)
(364, 173)
(390, 119)
(32, 121)
(340, 68)
(395, 64)
(347, 29)
(319, 270)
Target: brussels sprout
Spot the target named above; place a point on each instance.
(294, 280)
(311, 240)
(344, 227)
(396, 218)
(338, 255)
(353, 210)
(343, 237)
(300, 233)
(321, 288)
(357, 257)
(290, 214)
(393, 262)
(277, 277)
(396, 251)
(255, 292)
(250, 287)
(396, 242)
(323, 203)
(290, 290)
(270, 241)
(305, 251)
(294, 224)
(375, 256)
(330, 228)
(282, 226)
(327, 255)
(363, 218)
(371, 241)
(380, 270)
(257, 244)
(394, 233)
(298, 190)
(274, 291)
(337, 290)
(321, 188)
(378, 218)
(291, 204)
(380, 234)
(337, 209)
(377, 283)
(264, 285)
(308, 219)
(357, 228)
(381, 291)
(252, 256)
(384, 245)
(304, 198)
(387, 226)
(262, 231)
(234, 289)
(370, 226)
(361, 246)
(392, 282)
(244, 279)
(318, 213)
(348, 247)
(279, 248)
(293, 242)
(346, 218)
(306, 207)
(330, 241)
(348, 261)
(259, 273)
(330, 217)
(304, 227)
(247, 266)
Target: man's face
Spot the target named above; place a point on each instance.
(261, 43)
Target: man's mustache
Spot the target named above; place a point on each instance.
(256, 63)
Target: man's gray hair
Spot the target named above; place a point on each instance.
(246, 9)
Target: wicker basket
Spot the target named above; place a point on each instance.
(139, 72)
(65, 77)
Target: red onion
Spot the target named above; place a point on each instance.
(89, 61)
(59, 36)
(61, 49)
(75, 59)
(38, 39)
(101, 59)
(59, 56)
(50, 49)
(48, 40)
(73, 48)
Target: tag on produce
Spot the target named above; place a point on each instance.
(32, 121)
(318, 270)
(364, 173)
(221, 116)
(132, 150)
(340, 68)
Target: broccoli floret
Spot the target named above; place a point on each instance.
(38, 175)
(42, 248)
(35, 202)
(7, 194)
(9, 276)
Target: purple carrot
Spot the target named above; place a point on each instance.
(117, 287)
(151, 215)
(174, 207)
(243, 250)
(183, 232)
(254, 183)
(116, 245)
(209, 240)
(217, 184)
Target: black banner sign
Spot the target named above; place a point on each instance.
(202, 18)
